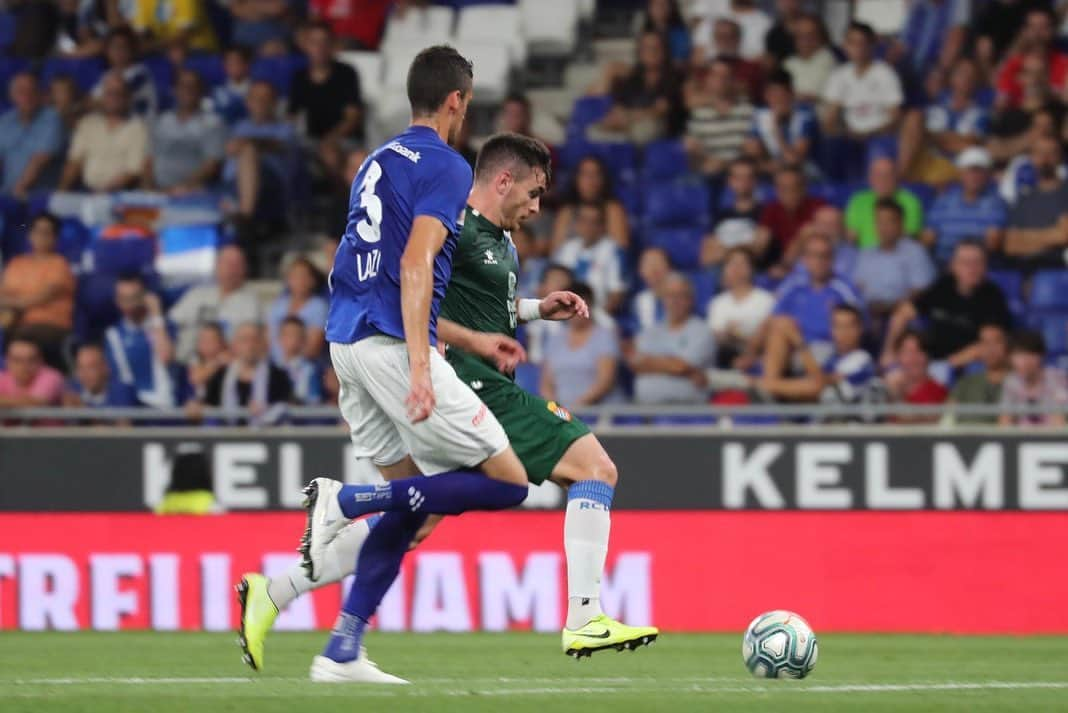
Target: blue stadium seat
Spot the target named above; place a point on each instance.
(1049, 290)
(837, 194)
(85, 72)
(630, 196)
(1010, 283)
(1054, 329)
(7, 30)
(677, 204)
(278, 71)
(664, 161)
(682, 244)
(621, 159)
(162, 78)
(209, 67)
(528, 377)
(586, 111)
(925, 193)
(705, 286)
(118, 256)
(74, 238)
(95, 306)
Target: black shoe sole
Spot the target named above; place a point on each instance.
(242, 598)
(632, 645)
(311, 495)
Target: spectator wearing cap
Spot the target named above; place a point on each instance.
(109, 147)
(862, 99)
(931, 139)
(911, 382)
(669, 359)
(984, 385)
(26, 382)
(971, 208)
(31, 138)
(1031, 383)
(896, 269)
(737, 223)
(954, 307)
(784, 132)
(188, 142)
(1037, 232)
(93, 385)
(883, 183)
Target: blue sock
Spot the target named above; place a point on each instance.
(377, 566)
(444, 494)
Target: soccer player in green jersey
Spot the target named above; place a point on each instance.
(478, 321)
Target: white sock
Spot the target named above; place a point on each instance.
(339, 562)
(587, 524)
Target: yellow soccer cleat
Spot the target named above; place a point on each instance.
(603, 633)
(258, 613)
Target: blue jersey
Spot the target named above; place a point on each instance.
(414, 174)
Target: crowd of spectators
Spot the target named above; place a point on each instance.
(861, 218)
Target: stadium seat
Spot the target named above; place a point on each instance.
(664, 161)
(123, 255)
(209, 67)
(682, 244)
(1049, 290)
(586, 111)
(630, 196)
(677, 204)
(1010, 282)
(85, 72)
(278, 71)
(1054, 329)
(74, 238)
(95, 306)
(493, 24)
(551, 26)
(528, 377)
(924, 192)
(493, 70)
(418, 28)
(705, 286)
(368, 66)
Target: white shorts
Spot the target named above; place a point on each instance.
(373, 374)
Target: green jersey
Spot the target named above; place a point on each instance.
(485, 271)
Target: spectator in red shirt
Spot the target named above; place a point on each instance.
(1037, 34)
(27, 382)
(910, 383)
(785, 216)
(357, 23)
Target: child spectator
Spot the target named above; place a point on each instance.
(1032, 383)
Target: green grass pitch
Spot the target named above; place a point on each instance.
(165, 672)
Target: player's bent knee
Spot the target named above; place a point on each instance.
(605, 470)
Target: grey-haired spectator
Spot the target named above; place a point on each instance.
(971, 208)
(31, 138)
(669, 359)
(581, 360)
(188, 143)
(1031, 383)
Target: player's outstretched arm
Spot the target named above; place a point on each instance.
(505, 352)
(417, 289)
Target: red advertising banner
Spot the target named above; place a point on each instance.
(682, 570)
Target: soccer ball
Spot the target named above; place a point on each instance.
(779, 644)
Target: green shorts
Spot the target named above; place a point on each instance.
(540, 431)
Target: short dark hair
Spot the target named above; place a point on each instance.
(865, 29)
(741, 161)
(215, 327)
(849, 309)
(792, 168)
(132, 277)
(920, 337)
(124, 32)
(744, 253)
(971, 242)
(891, 205)
(49, 218)
(584, 291)
(292, 319)
(319, 24)
(781, 78)
(507, 149)
(20, 338)
(518, 98)
(437, 72)
(1029, 341)
(243, 52)
(89, 346)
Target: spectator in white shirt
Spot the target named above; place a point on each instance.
(653, 267)
(863, 97)
(813, 61)
(736, 313)
(754, 22)
(594, 257)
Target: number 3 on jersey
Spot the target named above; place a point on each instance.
(370, 229)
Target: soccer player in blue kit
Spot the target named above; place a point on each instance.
(406, 407)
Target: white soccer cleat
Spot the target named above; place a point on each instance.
(362, 670)
(325, 520)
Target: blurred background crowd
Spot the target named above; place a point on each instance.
(836, 201)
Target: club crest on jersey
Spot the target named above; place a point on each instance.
(491, 259)
(559, 410)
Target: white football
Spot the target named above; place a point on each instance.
(779, 644)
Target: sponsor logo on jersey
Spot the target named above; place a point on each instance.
(559, 410)
(404, 151)
(480, 416)
(491, 259)
(476, 384)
